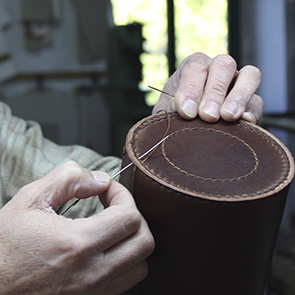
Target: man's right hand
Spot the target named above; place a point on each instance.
(45, 253)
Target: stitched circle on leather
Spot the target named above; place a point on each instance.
(223, 155)
(221, 161)
(219, 224)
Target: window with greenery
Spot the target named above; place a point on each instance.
(200, 25)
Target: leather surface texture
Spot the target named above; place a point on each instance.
(213, 196)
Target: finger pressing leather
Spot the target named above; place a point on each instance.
(247, 83)
(192, 76)
(254, 110)
(221, 73)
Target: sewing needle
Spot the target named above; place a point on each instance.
(123, 169)
(164, 92)
(142, 156)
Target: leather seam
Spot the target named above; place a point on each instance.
(285, 163)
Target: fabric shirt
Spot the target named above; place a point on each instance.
(27, 156)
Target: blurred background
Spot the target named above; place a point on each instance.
(81, 69)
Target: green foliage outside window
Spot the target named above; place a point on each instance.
(200, 25)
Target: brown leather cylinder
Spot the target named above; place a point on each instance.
(213, 196)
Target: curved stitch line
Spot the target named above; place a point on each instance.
(269, 190)
(207, 178)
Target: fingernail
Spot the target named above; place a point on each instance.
(190, 108)
(212, 109)
(101, 177)
(247, 116)
(172, 105)
(231, 107)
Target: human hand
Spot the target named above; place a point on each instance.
(213, 88)
(45, 253)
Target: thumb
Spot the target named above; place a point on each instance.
(64, 183)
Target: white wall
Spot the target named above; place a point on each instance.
(60, 56)
(271, 54)
(90, 124)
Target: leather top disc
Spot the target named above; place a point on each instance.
(223, 161)
(213, 196)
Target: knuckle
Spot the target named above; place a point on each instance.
(132, 220)
(242, 95)
(260, 100)
(190, 73)
(25, 189)
(256, 104)
(194, 91)
(196, 67)
(197, 57)
(226, 62)
(219, 88)
(71, 165)
(254, 71)
(72, 175)
(136, 224)
(149, 243)
(197, 62)
(71, 246)
(73, 170)
(146, 246)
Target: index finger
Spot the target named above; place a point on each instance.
(116, 194)
(187, 84)
(222, 71)
(247, 82)
(193, 73)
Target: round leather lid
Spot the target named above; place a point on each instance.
(220, 161)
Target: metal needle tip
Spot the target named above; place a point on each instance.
(164, 92)
(142, 156)
(123, 169)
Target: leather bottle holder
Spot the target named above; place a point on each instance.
(213, 196)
